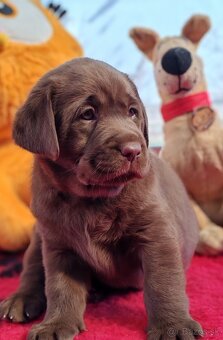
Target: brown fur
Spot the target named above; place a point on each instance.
(125, 223)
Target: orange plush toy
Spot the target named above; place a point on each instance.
(32, 41)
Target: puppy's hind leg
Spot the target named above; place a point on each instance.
(29, 301)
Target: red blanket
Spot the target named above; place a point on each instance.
(123, 316)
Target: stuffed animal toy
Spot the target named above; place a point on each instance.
(32, 41)
(193, 131)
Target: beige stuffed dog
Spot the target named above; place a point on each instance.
(193, 131)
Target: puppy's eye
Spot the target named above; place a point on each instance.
(88, 115)
(133, 112)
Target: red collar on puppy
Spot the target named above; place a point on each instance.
(184, 105)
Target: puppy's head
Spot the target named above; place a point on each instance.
(88, 126)
(178, 68)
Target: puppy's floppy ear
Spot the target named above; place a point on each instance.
(145, 39)
(145, 127)
(196, 27)
(34, 126)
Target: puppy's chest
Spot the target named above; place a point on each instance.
(106, 228)
(100, 234)
(105, 240)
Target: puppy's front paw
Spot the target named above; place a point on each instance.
(55, 330)
(186, 330)
(21, 307)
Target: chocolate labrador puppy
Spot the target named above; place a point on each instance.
(108, 210)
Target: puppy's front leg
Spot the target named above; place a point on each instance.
(29, 301)
(164, 291)
(67, 283)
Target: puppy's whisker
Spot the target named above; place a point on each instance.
(96, 171)
(100, 170)
(72, 169)
(98, 166)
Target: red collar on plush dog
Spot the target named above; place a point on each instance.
(184, 105)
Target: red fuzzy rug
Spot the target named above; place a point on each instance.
(123, 316)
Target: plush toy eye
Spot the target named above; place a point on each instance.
(6, 9)
(133, 112)
(89, 115)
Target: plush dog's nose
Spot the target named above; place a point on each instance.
(130, 150)
(176, 61)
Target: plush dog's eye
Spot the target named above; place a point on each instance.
(88, 115)
(133, 112)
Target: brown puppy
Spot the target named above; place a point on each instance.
(107, 207)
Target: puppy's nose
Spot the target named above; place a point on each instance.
(176, 61)
(130, 150)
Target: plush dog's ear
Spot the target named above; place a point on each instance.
(145, 39)
(34, 126)
(196, 27)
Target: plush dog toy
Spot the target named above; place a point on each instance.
(32, 41)
(193, 131)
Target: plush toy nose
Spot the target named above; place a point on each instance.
(176, 61)
(131, 150)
